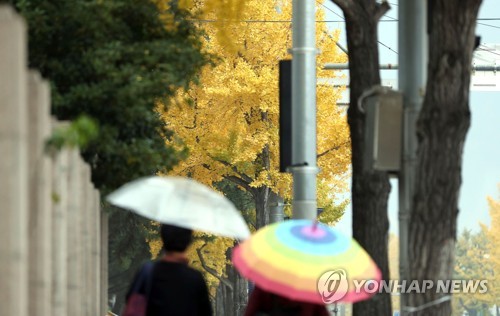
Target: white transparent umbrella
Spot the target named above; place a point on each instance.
(182, 202)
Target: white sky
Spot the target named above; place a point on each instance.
(481, 165)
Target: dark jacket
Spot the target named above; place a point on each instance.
(176, 290)
(264, 303)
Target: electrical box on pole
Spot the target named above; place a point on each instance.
(383, 109)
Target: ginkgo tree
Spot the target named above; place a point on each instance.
(229, 123)
(493, 234)
(477, 257)
(472, 262)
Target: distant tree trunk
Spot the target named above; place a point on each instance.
(370, 190)
(441, 130)
(261, 196)
(231, 302)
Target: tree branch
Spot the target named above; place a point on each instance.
(330, 150)
(381, 9)
(243, 176)
(239, 182)
(195, 120)
(344, 4)
(210, 270)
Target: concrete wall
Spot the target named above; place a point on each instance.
(53, 249)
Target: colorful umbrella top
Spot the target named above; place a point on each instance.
(307, 261)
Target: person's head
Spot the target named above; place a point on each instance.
(175, 239)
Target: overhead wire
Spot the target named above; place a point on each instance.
(317, 21)
(485, 48)
(390, 19)
(484, 24)
(386, 46)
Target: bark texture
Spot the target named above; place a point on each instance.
(231, 301)
(261, 196)
(370, 190)
(441, 130)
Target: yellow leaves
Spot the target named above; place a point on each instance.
(327, 199)
(155, 243)
(223, 13)
(185, 4)
(213, 255)
(155, 246)
(231, 129)
(472, 262)
(493, 235)
(166, 16)
(478, 258)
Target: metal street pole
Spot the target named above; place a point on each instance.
(304, 52)
(277, 205)
(413, 53)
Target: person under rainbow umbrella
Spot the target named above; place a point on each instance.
(309, 262)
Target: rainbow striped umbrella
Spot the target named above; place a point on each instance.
(307, 261)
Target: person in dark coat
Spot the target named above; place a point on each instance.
(263, 303)
(173, 288)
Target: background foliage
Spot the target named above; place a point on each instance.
(229, 124)
(113, 61)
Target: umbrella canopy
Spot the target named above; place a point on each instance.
(307, 261)
(182, 202)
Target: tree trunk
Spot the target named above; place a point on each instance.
(231, 302)
(370, 190)
(261, 196)
(441, 130)
(234, 302)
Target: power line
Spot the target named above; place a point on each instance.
(340, 16)
(317, 21)
(390, 17)
(254, 21)
(386, 46)
(494, 26)
(486, 49)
